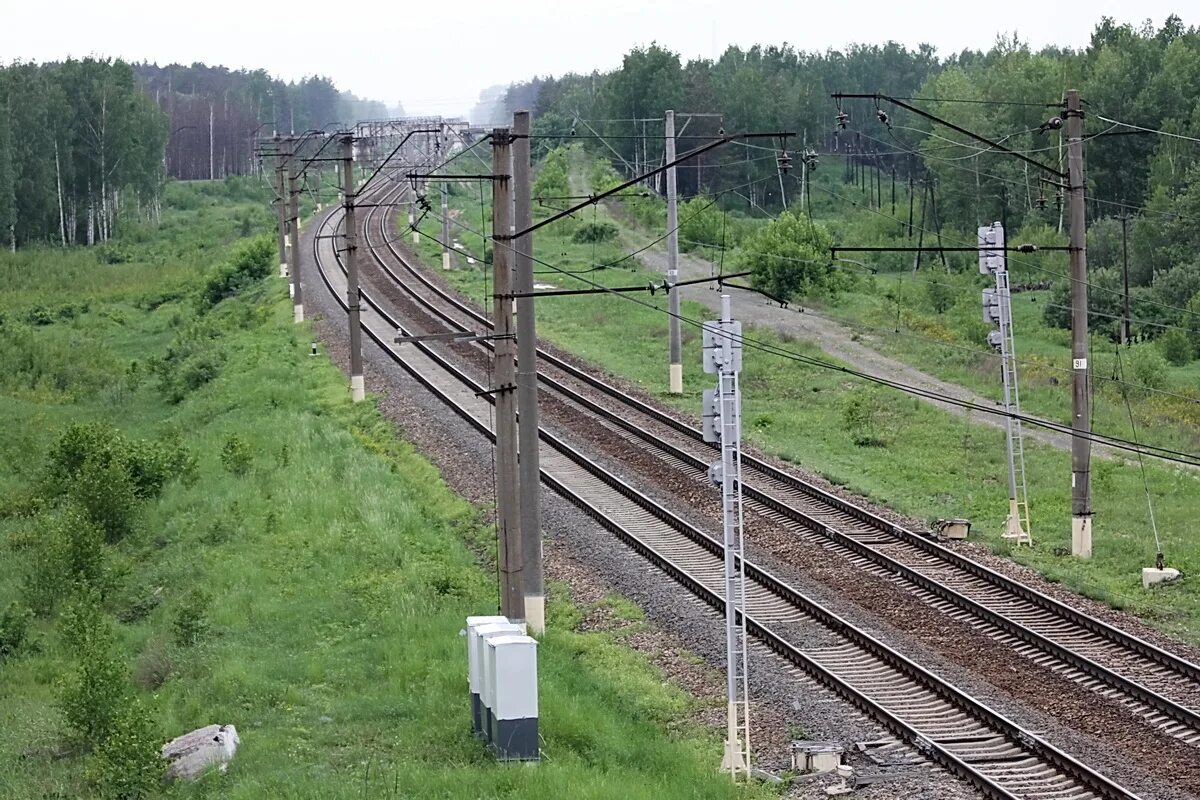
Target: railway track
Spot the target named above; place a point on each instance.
(942, 722)
(1156, 685)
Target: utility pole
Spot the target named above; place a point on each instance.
(721, 415)
(445, 225)
(294, 233)
(1081, 422)
(804, 176)
(412, 217)
(353, 300)
(508, 522)
(1126, 330)
(529, 463)
(674, 345)
(281, 206)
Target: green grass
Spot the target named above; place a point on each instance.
(341, 569)
(932, 465)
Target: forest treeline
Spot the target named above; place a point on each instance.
(1146, 76)
(87, 143)
(79, 140)
(215, 113)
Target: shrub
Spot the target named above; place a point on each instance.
(67, 555)
(93, 694)
(1145, 365)
(595, 232)
(250, 263)
(109, 497)
(941, 295)
(789, 258)
(236, 455)
(14, 627)
(1177, 347)
(127, 764)
(148, 465)
(863, 417)
(552, 173)
(190, 621)
(193, 359)
(153, 667)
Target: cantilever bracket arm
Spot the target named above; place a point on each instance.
(876, 96)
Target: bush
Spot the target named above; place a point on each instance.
(68, 555)
(149, 465)
(941, 295)
(702, 222)
(92, 696)
(192, 360)
(552, 178)
(108, 496)
(864, 417)
(595, 232)
(14, 627)
(236, 455)
(789, 258)
(127, 764)
(250, 263)
(153, 667)
(190, 621)
(1177, 347)
(1146, 366)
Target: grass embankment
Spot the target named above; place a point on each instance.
(300, 573)
(895, 449)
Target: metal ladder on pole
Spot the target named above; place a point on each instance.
(997, 309)
(1012, 405)
(722, 412)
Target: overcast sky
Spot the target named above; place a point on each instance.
(436, 56)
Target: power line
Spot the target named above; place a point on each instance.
(1026, 262)
(1149, 130)
(1114, 442)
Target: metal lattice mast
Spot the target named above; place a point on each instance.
(722, 417)
(998, 310)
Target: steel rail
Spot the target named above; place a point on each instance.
(1012, 765)
(1179, 719)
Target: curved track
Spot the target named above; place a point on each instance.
(1155, 684)
(957, 731)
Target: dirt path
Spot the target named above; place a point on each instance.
(837, 340)
(834, 338)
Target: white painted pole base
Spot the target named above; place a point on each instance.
(291, 290)
(416, 238)
(733, 761)
(1081, 537)
(283, 269)
(1012, 526)
(298, 312)
(445, 259)
(535, 614)
(358, 388)
(677, 379)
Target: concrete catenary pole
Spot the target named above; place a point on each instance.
(1081, 422)
(281, 205)
(445, 224)
(357, 386)
(674, 344)
(508, 522)
(294, 233)
(527, 389)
